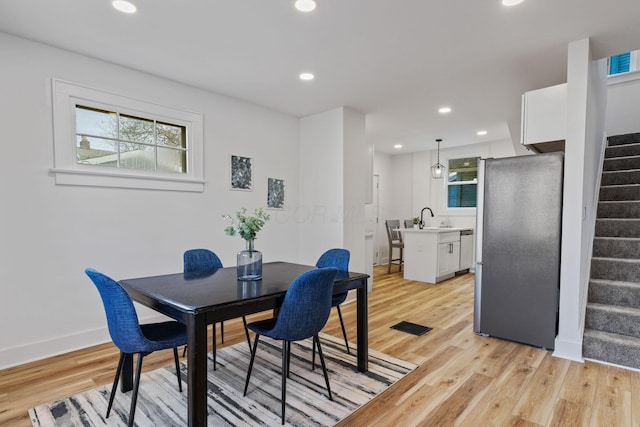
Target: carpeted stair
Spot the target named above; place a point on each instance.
(612, 323)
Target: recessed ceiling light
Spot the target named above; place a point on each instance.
(511, 2)
(444, 110)
(306, 76)
(481, 132)
(124, 6)
(397, 146)
(305, 5)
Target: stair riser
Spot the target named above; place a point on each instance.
(630, 138)
(612, 352)
(631, 192)
(610, 321)
(623, 163)
(618, 248)
(621, 228)
(619, 210)
(613, 269)
(619, 295)
(621, 177)
(622, 151)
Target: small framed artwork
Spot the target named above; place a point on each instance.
(241, 173)
(275, 193)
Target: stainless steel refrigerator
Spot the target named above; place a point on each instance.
(519, 222)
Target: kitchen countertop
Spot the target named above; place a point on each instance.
(431, 229)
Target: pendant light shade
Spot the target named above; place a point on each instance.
(438, 170)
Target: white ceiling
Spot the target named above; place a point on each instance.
(397, 61)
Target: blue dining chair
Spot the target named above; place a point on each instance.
(339, 259)
(200, 260)
(304, 312)
(131, 337)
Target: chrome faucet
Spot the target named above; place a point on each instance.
(421, 224)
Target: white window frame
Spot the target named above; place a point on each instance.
(68, 171)
(446, 156)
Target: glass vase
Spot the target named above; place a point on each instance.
(249, 263)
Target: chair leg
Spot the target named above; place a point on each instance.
(221, 332)
(390, 259)
(175, 358)
(288, 358)
(401, 259)
(115, 382)
(213, 338)
(344, 332)
(324, 367)
(253, 356)
(184, 352)
(285, 357)
(313, 355)
(246, 331)
(136, 386)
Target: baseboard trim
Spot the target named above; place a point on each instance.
(35, 351)
(569, 350)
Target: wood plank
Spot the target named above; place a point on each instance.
(536, 403)
(612, 402)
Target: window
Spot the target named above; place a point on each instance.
(103, 139)
(108, 138)
(627, 62)
(620, 63)
(462, 183)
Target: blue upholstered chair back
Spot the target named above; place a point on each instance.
(337, 258)
(200, 259)
(306, 305)
(122, 319)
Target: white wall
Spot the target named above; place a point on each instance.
(333, 160)
(623, 104)
(586, 110)
(384, 171)
(50, 233)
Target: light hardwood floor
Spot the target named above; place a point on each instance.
(462, 379)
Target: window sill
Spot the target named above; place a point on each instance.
(630, 76)
(123, 180)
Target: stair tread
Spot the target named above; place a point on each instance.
(620, 185)
(626, 260)
(615, 282)
(618, 219)
(627, 339)
(614, 308)
(623, 170)
(616, 238)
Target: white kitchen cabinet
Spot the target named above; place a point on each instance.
(544, 117)
(432, 254)
(448, 258)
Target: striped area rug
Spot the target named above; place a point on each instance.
(161, 404)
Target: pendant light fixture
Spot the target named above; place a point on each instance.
(438, 170)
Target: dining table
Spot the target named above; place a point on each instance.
(198, 299)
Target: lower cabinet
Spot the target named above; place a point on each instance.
(448, 258)
(431, 255)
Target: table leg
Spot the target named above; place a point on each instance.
(362, 324)
(197, 370)
(126, 375)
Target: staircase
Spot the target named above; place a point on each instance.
(612, 323)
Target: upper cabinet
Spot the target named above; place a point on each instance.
(544, 118)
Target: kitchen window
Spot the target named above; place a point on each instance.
(462, 182)
(109, 140)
